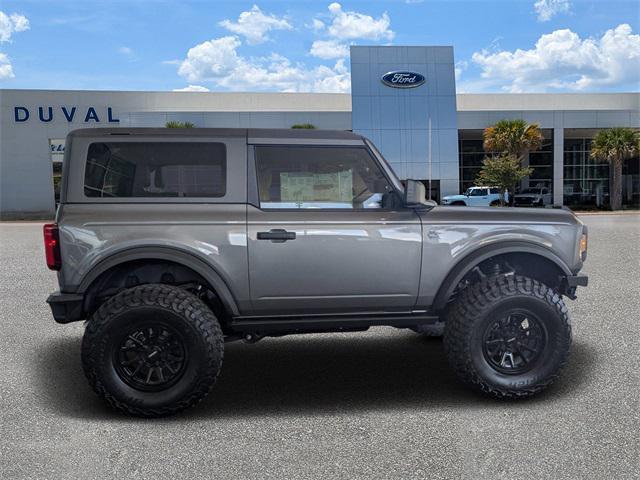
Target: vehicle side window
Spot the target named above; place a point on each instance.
(544, 191)
(156, 169)
(320, 177)
(477, 192)
(494, 191)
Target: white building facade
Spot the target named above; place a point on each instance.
(403, 99)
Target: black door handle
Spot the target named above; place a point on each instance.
(277, 235)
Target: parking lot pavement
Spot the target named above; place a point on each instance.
(378, 404)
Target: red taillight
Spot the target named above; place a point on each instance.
(52, 246)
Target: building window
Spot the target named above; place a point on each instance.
(541, 161)
(156, 169)
(587, 181)
(472, 154)
(56, 148)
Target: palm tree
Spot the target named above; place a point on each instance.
(615, 145)
(515, 138)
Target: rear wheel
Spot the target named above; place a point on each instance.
(152, 350)
(495, 203)
(508, 336)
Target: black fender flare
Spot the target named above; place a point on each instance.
(472, 259)
(170, 254)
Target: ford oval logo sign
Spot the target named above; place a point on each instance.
(402, 79)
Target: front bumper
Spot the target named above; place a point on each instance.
(577, 280)
(572, 282)
(66, 307)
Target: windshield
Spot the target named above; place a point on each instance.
(383, 163)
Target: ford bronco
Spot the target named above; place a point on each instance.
(172, 242)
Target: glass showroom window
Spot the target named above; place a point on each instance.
(586, 181)
(472, 154)
(56, 149)
(542, 163)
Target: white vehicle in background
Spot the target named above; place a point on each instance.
(476, 197)
(533, 197)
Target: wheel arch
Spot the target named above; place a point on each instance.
(466, 264)
(163, 254)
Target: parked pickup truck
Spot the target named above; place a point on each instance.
(533, 197)
(172, 242)
(476, 197)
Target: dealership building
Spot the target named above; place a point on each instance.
(403, 98)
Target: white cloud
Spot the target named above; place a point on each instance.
(328, 49)
(255, 24)
(126, 51)
(192, 88)
(317, 25)
(561, 60)
(6, 70)
(347, 25)
(10, 24)
(218, 61)
(547, 9)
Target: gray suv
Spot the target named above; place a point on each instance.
(171, 242)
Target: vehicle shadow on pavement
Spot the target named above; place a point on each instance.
(309, 374)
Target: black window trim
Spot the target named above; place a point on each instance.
(254, 191)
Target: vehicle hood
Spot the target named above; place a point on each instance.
(500, 215)
(454, 197)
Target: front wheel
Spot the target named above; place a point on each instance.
(508, 336)
(152, 350)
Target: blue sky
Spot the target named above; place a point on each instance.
(500, 46)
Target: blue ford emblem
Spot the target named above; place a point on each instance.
(403, 79)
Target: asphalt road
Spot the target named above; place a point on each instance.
(380, 404)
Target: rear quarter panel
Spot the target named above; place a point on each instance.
(213, 233)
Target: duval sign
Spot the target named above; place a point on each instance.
(47, 114)
(402, 79)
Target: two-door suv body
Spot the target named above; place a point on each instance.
(170, 242)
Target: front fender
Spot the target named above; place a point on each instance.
(471, 260)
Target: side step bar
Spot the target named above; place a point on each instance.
(326, 323)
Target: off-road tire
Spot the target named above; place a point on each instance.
(478, 306)
(186, 314)
(432, 331)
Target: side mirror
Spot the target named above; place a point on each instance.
(415, 195)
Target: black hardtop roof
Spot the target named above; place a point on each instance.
(220, 132)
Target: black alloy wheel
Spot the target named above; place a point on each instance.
(151, 357)
(513, 343)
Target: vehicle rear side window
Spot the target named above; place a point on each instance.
(320, 177)
(494, 191)
(156, 169)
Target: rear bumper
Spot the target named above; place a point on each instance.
(66, 307)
